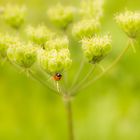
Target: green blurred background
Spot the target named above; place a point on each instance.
(107, 110)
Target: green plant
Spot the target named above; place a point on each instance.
(46, 55)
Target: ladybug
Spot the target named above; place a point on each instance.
(57, 77)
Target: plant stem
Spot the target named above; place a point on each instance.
(83, 80)
(78, 74)
(131, 41)
(65, 79)
(34, 76)
(69, 118)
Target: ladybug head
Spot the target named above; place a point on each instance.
(57, 77)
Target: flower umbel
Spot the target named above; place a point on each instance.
(92, 9)
(85, 28)
(129, 22)
(56, 56)
(96, 48)
(14, 15)
(23, 55)
(46, 55)
(60, 15)
(6, 41)
(39, 34)
(57, 43)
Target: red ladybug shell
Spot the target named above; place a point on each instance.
(57, 77)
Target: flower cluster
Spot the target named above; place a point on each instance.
(92, 9)
(57, 43)
(14, 15)
(22, 54)
(53, 58)
(48, 49)
(129, 22)
(96, 48)
(39, 35)
(85, 28)
(5, 42)
(56, 56)
(61, 16)
(53, 52)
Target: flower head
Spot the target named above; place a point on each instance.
(57, 43)
(39, 34)
(60, 15)
(96, 48)
(6, 41)
(85, 28)
(14, 15)
(92, 9)
(129, 22)
(23, 55)
(56, 56)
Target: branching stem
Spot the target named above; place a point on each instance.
(83, 80)
(78, 74)
(34, 76)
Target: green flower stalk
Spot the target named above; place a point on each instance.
(14, 15)
(23, 55)
(96, 48)
(129, 22)
(39, 35)
(61, 16)
(85, 28)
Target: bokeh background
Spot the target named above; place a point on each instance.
(107, 110)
